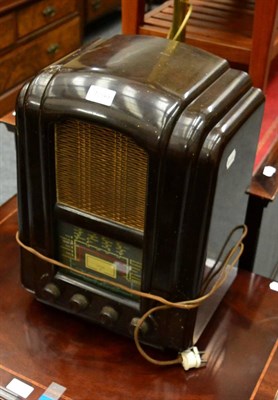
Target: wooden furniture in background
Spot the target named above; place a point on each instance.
(8, 118)
(241, 31)
(34, 34)
(97, 8)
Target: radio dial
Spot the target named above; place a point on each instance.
(78, 302)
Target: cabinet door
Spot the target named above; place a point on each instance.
(97, 8)
(7, 30)
(27, 60)
(42, 13)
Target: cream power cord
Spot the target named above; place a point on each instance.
(190, 357)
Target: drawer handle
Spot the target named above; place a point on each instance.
(49, 11)
(96, 4)
(53, 48)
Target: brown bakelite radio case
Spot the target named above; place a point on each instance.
(134, 155)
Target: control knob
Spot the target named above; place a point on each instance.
(144, 327)
(51, 292)
(78, 302)
(108, 315)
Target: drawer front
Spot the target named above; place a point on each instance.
(7, 30)
(40, 14)
(97, 8)
(28, 59)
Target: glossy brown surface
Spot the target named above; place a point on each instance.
(39, 344)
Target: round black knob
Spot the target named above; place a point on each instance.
(108, 315)
(78, 302)
(51, 292)
(144, 327)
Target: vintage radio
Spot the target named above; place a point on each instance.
(133, 159)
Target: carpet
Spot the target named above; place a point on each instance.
(7, 164)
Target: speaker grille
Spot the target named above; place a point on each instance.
(101, 172)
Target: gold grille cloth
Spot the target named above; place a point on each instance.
(101, 172)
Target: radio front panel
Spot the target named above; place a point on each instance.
(87, 251)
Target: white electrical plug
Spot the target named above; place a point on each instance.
(191, 358)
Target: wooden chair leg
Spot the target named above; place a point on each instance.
(132, 16)
(265, 21)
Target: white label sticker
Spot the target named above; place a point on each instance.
(100, 95)
(269, 171)
(231, 159)
(20, 388)
(274, 286)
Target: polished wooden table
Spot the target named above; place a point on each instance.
(40, 345)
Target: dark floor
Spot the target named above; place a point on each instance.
(105, 27)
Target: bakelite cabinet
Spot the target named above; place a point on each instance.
(33, 35)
